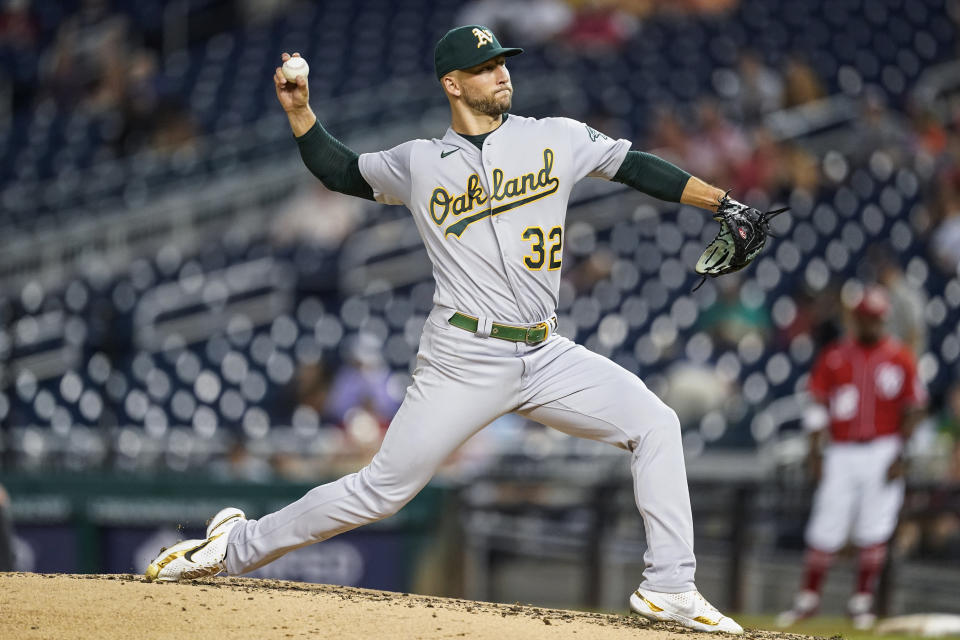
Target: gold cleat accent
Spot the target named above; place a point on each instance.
(652, 606)
(153, 570)
(705, 620)
(225, 520)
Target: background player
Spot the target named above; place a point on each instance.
(489, 200)
(867, 392)
(6, 532)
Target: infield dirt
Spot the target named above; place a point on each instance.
(57, 607)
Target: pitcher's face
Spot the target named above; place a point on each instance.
(486, 87)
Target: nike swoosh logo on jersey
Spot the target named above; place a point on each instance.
(444, 154)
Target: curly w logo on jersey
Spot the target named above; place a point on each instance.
(866, 387)
(890, 378)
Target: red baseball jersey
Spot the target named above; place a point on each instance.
(866, 387)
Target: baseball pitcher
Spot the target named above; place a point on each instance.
(489, 199)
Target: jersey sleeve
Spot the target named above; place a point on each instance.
(594, 154)
(388, 173)
(914, 392)
(819, 384)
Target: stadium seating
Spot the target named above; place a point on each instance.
(66, 154)
(182, 350)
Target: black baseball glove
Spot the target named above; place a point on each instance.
(743, 233)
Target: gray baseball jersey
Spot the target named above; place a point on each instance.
(492, 222)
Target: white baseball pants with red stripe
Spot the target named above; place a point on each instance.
(855, 501)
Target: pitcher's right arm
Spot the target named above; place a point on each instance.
(335, 164)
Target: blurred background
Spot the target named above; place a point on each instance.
(188, 319)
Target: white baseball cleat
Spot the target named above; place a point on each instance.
(191, 559)
(224, 517)
(860, 608)
(688, 608)
(805, 605)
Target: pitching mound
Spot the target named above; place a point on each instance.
(124, 606)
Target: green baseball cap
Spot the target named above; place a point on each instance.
(465, 47)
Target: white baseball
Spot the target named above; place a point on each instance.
(294, 68)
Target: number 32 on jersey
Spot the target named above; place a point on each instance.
(540, 252)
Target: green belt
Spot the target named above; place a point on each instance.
(530, 335)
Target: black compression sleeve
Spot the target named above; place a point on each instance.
(333, 162)
(652, 175)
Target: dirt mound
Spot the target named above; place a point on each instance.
(124, 606)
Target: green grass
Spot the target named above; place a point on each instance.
(826, 627)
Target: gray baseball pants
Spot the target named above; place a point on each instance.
(462, 383)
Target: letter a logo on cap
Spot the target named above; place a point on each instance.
(483, 37)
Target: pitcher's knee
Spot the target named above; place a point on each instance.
(655, 421)
(386, 498)
(391, 502)
(666, 418)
